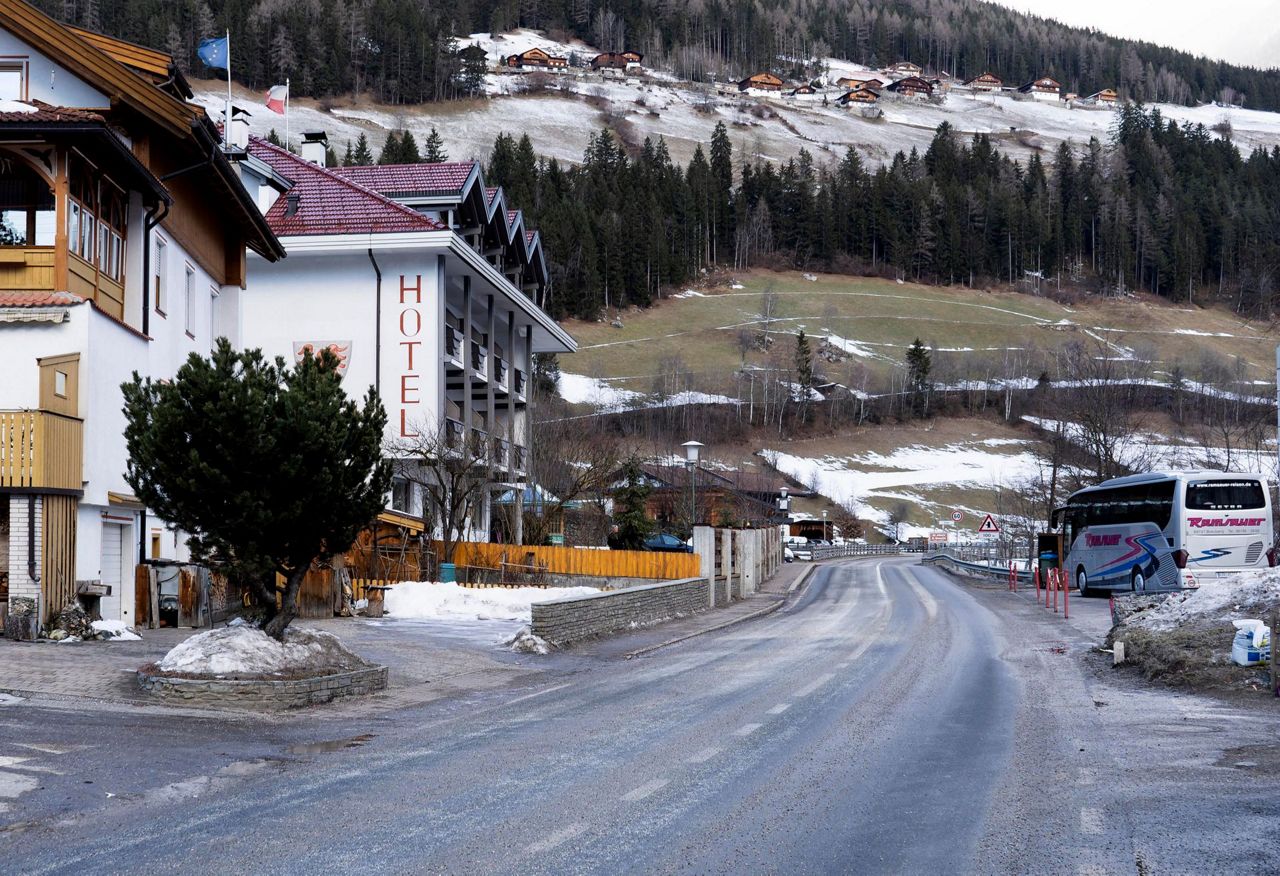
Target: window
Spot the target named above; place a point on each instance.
(26, 206)
(189, 301)
(12, 84)
(1225, 495)
(155, 545)
(60, 384)
(162, 250)
(400, 494)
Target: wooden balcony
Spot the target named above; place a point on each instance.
(27, 268)
(40, 450)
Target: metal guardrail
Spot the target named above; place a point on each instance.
(997, 572)
(836, 551)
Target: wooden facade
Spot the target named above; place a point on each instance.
(57, 554)
(912, 86)
(1106, 95)
(1043, 86)
(853, 83)
(863, 96)
(905, 68)
(985, 82)
(761, 82)
(41, 450)
(536, 58)
(616, 60)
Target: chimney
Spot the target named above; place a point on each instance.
(292, 201)
(314, 146)
(239, 135)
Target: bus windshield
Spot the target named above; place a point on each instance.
(1225, 495)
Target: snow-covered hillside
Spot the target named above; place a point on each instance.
(578, 102)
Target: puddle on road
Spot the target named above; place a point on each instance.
(1255, 759)
(330, 745)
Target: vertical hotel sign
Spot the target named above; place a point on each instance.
(410, 326)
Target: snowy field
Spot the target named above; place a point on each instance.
(655, 104)
(902, 474)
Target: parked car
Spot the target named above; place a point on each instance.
(803, 552)
(667, 543)
(788, 555)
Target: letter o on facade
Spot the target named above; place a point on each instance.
(417, 323)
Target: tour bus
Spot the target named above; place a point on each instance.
(1166, 530)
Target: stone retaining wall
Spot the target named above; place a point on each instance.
(564, 621)
(262, 694)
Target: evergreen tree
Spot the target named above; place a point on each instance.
(273, 138)
(804, 375)
(433, 148)
(919, 386)
(391, 153)
(630, 516)
(362, 156)
(303, 477)
(348, 156)
(408, 150)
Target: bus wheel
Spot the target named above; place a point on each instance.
(1082, 581)
(1138, 581)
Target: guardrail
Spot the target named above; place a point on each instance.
(995, 570)
(837, 551)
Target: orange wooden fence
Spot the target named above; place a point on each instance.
(527, 560)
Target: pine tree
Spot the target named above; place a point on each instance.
(408, 150)
(391, 150)
(363, 156)
(919, 366)
(348, 156)
(303, 477)
(630, 515)
(273, 138)
(804, 376)
(433, 148)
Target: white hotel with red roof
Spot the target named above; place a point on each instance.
(131, 237)
(422, 280)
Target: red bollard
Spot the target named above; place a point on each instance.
(1066, 591)
(1035, 579)
(1057, 584)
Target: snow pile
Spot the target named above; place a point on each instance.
(578, 388)
(689, 293)
(241, 649)
(525, 642)
(115, 630)
(427, 599)
(1216, 600)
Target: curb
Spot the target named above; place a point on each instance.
(768, 609)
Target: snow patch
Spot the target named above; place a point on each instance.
(242, 649)
(428, 599)
(114, 630)
(1216, 599)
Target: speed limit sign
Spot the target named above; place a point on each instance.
(957, 516)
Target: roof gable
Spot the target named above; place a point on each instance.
(329, 203)
(408, 180)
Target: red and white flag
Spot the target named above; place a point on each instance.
(276, 98)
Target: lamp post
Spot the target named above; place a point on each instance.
(691, 451)
(825, 537)
(784, 503)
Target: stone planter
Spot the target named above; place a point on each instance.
(262, 694)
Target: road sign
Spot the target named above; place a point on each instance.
(937, 537)
(989, 526)
(957, 516)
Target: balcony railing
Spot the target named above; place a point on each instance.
(482, 449)
(454, 432)
(453, 343)
(501, 451)
(518, 460)
(500, 372)
(518, 388)
(479, 357)
(41, 450)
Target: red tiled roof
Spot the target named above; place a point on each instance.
(332, 204)
(48, 114)
(404, 179)
(39, 299)
(489, 194)
(528, 236)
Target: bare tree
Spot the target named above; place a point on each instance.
(574, 460)
(453, 470)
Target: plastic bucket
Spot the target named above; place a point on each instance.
(448, 573)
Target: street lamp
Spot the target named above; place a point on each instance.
(825, 537)
(691, 451)
(784, 504)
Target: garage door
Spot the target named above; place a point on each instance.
(112, 538)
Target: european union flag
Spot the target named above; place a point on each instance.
(215, 53)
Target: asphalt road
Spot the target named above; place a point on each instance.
(890, 720)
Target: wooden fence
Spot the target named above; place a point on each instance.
(530, 562)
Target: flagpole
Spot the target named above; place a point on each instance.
(287, 89)
(226, 127)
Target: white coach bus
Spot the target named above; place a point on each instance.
(1166, 530)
